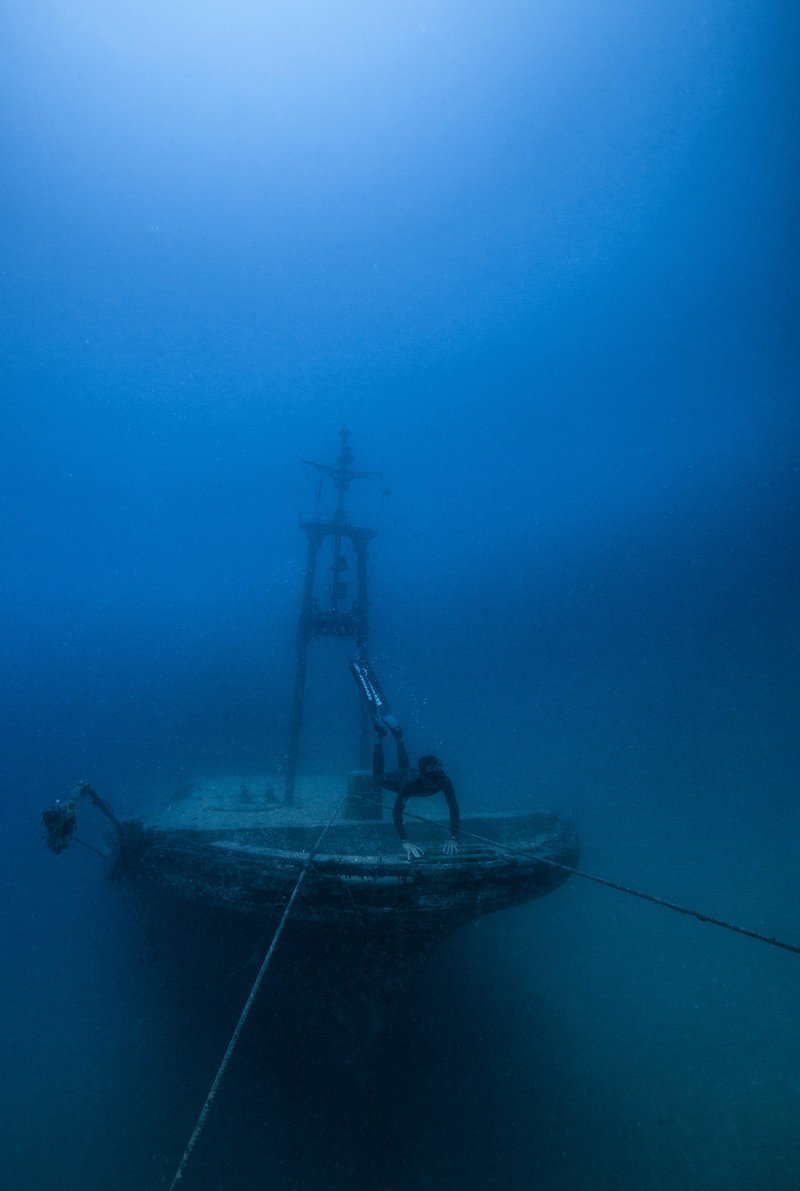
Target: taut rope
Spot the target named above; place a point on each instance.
(226, 1058)
(647, 897)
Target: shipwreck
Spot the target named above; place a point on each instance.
(232, 852)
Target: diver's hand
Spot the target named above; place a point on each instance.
(412, 851)
(451, 847)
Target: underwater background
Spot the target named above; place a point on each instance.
(541, 260)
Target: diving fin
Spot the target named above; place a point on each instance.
(367, 680)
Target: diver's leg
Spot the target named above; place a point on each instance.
(378, 761)
(402, 752)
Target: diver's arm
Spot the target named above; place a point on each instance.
(455, 817)
(397, 817)
(411, 850)
(452, 806)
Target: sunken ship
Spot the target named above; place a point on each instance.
(231, 852)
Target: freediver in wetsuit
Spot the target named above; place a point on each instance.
(422, 781)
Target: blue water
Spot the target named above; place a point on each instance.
(541, 259)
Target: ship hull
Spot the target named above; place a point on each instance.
(358, 874)
(364, 922)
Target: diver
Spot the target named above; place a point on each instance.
(407, 782)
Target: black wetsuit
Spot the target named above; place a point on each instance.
(408, 782)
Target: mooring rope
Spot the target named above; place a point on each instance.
(647, 897)
(248, 1005)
